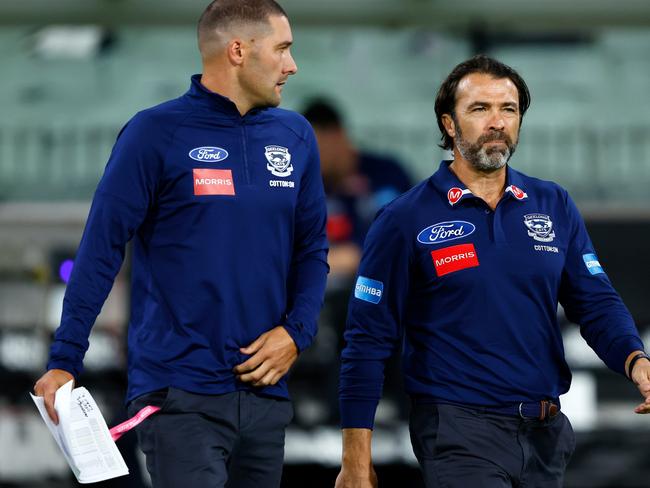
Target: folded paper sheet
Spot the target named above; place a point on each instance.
(83, 436)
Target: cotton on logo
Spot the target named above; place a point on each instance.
(454, 258)
(213, 182)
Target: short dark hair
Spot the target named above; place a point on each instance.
(322, 113)
(446, 97)
(223, 13)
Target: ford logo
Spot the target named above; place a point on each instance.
(445, 231)
(208, 154)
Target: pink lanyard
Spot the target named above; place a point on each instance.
(117, 431)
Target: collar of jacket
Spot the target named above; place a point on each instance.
(201, 96)
(452, 189)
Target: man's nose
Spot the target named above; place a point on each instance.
(291, 67)
(496, 121)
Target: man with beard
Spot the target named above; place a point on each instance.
(222, 195)
(466, 270)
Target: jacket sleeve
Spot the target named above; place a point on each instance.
(589, 299)
(120, 204)
(374, 329)
(308, 273)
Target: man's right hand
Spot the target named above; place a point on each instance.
(356, 469)
(349, 479)
(46, 387)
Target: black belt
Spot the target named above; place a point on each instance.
(528, 410)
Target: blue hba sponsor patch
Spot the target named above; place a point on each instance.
(368, 290)
(591, 261)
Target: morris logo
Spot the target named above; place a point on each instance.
(445, 231)
(208, 154)
(540, 227)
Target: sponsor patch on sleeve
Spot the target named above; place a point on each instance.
(592, 264)
(368, 290)
(454, 258)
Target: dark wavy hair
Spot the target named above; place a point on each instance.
(446, 97)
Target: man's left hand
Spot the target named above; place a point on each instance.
(272, 354)
(641, 378)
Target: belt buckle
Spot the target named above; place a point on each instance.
(521, 414)
(547, 409)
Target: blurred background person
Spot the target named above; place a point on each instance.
(357, 184)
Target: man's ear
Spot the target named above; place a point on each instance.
(235, 51)
(449, 125)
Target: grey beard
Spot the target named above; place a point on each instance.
(481, 159)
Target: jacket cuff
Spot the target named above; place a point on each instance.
(299, 335)
(358, 414)
(619, 351)
(65, 366)
(66, 356)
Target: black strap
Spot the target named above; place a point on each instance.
(633, 362)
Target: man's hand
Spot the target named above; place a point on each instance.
(46, 387)
(641, 378)
(352, 479)
(357, 470)
(272, 354)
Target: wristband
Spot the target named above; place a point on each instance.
(633, 362)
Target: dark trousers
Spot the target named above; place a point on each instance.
(234, 440)
(459, 447)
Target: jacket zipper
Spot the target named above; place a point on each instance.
(245, 154)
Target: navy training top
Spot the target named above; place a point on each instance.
(227, 216)
(473, 293)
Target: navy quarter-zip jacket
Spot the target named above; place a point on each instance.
(227, 217)
(471, 296)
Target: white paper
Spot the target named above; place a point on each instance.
(83, 436)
